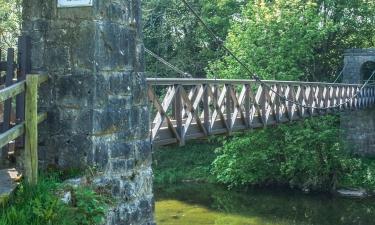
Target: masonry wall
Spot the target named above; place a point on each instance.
(358, 126)
(96, 97)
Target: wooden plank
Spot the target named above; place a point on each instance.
(41, 78)
(288, 104)
(269, 96)
(192, 95)
(11, 134)
(255, 114)
(238, 101)
(24, 68)
(218, 103)
(261, 104)
(191, 110)
(161, 114)
(179, 115)
(8, 103)
(8, 180)
(12, 91)
(164, 142)
(206, 109)
(198, 81)
(8, 83)
(228, 106)
(17, 131)
(31, 130)
(42, 117)
(299, 100)
(24, 46)
(247, 105)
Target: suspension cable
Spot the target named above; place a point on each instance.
(340, 74)
(165, 62)
(256, 77)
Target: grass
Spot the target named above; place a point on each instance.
(41, 204)
(191, 163)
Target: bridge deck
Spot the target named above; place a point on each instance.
(186, 109)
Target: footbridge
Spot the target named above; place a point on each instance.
(185, 109)
(96, 101)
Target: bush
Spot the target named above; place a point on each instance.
(307, 155)
(41, 205)
(189, 163)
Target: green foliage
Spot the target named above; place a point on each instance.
(361, 174)
(89, 207)
(41, 205)
(173, 33)
(189, 163)
(296, 39)
(33, 205)
(305, 155)
(10, 19)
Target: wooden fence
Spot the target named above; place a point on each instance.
(28, 127)
(18, 107)
(185, 109)
(13, 69)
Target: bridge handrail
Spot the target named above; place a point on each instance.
(186, 108)
(28, 127)
(198, 81)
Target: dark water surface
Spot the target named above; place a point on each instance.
(203, 204)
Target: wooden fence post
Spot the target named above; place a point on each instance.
(31, 129)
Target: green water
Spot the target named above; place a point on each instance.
(202, 204)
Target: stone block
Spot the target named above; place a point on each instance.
(114, 11)
(115, 47)
(111, 121)
(72, 150)
(143, 153)
(122, 150)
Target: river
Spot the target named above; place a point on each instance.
(205, 204)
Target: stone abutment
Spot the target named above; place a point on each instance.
(359, 126)
(96, 97)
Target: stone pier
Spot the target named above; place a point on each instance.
(96, 97)
(359, 126)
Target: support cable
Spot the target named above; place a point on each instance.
(256, 77)
(340, 75)
(165, 62)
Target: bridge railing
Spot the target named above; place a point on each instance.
(185, 109)
(28, 127)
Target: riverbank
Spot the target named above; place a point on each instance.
(194, 163)
(190, 163)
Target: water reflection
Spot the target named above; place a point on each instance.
(197, 204)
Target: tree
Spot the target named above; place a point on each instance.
(10, 19)
(297, 39)
(294, 40)
(172, 32)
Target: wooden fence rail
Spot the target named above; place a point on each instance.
(27, 127)
(185, 109)
(13, 68)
